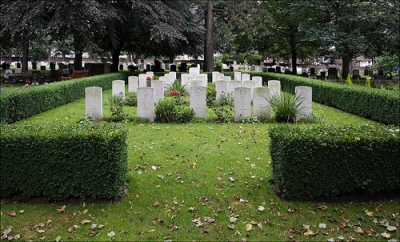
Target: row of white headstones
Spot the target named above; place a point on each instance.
(243, 88)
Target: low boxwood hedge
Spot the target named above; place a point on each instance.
(325, 161)
(63, 161)
(376, 104)
(26, 102)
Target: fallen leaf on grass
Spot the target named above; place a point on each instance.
(358, 230)
(174, 228)
(261, 208)
(386, 235)
(391, 228)
(12, 214)
(233, 219)
(369, 213)
(111, 234)
(85, 221)
(309, 233)
(249, 227)
(231, 226)
(62, 209)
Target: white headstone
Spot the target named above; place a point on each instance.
(222, 87)
(133, 83)
(145, 103)
(227, 78)
(196, 83)
(234, 84)
(203, 76)
(220, 77)
(158, 87)
(242, 102)
(172, 76)
(186, 79)
(118, 88)
(194, 71)
(142, 80)
(257, 81)
(275, 87)
(261, 106)
(214, 76)
(246, 77)
(198, 101)
(94, 102)
(303, 97)
(249, 84)
(237, 76)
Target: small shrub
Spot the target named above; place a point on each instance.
(348, 80)
(131, 99)
(211, 94)
(373, 83)
(340, 79)
(169, 110)
(115, 103)
(367, 82)
(358, 81)
(224, 109)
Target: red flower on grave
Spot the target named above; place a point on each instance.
(171, 93)
(178, 93)
(148, 78)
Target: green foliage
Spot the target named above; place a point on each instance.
(177, 87)
(218, 64)
(131, 99)
(373, 83)
(386, 63)
(26, 102)
(340, 79)
(211, 94)
(87, 160)
(326, 161)
(393, 87)
(367, 82)
(348, 80)
(173, 110)
(285, 107)
(378, 105)
(223, 108)
(358, 81)
(116, 103)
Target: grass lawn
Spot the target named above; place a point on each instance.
(199, 182)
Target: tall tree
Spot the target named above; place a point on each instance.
(292, 28)
(158, 28)
(359, 27)
(208, 45)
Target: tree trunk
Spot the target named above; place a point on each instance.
(25, 54)
(78, 51)
(208, 46)
(115, 60)
(293, 51)
(346, 60)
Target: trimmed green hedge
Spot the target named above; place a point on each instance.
(62, 161)
(27, 102)
(376, 104)
(325, 161)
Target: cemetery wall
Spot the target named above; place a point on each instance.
(63, 161)
(326, 161)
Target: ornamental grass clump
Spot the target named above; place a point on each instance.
(177, 89)
(285, 107)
